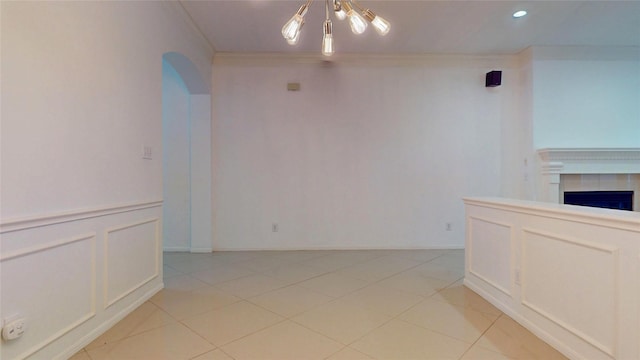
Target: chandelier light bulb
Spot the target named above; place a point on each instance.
(356, 21)
(339, 11)
(358, 17)
(381, 25)
(294, 40)
(327, 40)
(291, 30)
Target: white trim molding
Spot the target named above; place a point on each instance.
(24, 223)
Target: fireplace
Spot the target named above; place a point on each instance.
(620, 200)
(593, 172)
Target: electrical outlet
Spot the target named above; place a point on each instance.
(13, 328)
(274, 227)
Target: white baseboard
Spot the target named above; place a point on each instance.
(539, 332)
(176, 249)
(102, 328)
(336, 248)
(201, 250)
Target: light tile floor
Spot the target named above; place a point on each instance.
(369, 304)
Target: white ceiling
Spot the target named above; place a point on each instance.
(421, 26)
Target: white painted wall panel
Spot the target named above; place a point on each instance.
(579, 285)
(490, 240)
(131, 258)
(52, 286)
(574, 283)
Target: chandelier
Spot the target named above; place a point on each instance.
(342, 9)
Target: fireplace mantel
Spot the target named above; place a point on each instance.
(557, 161)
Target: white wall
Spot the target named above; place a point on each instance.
(82, 92)
(81, 217)
(518, 157)
(370, 153)
(586, 97)
(176, 160)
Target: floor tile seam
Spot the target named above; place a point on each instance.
(288, 317)
(391, 318)
(309, 259)
(309, 278)
(221, 347)
(342, 348)
(215, 347)
(422, 299)
(243, 336)
(188, 262)
(485, 315)
(447, 335)
(243, 277)
(253, 273)
(480, 337)
(403, 270)
(299, 283)
(386, 277)
(219, 308)
(202, 337)
(175, 321)
(144, 332)
(448, 283)
(169, 265)
(353, 349)
(180, 320)
(440, 333)
(518, 339)
(190, 289)
(465, 306)
(329, 337)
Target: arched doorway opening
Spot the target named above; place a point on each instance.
(186, 156)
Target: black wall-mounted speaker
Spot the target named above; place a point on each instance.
(493, 79)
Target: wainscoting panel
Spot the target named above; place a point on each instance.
(53, 283)
(493, 240)
(72, 275)
(575, 271)
(131, 258)
(556, 269)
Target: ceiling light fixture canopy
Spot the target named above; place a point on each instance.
(342, 9)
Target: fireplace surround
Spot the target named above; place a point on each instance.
(583, 169)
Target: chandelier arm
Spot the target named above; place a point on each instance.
(357, 4)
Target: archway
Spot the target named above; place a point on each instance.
(186, 143)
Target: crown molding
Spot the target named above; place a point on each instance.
(443, 60)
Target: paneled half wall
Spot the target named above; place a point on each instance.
(73, 275)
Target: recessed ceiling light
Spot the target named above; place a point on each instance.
(519, 13)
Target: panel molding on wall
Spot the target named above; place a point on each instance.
(120, 244)
(503, 285)
(24, 223)
(581, 251)
(60, 254)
